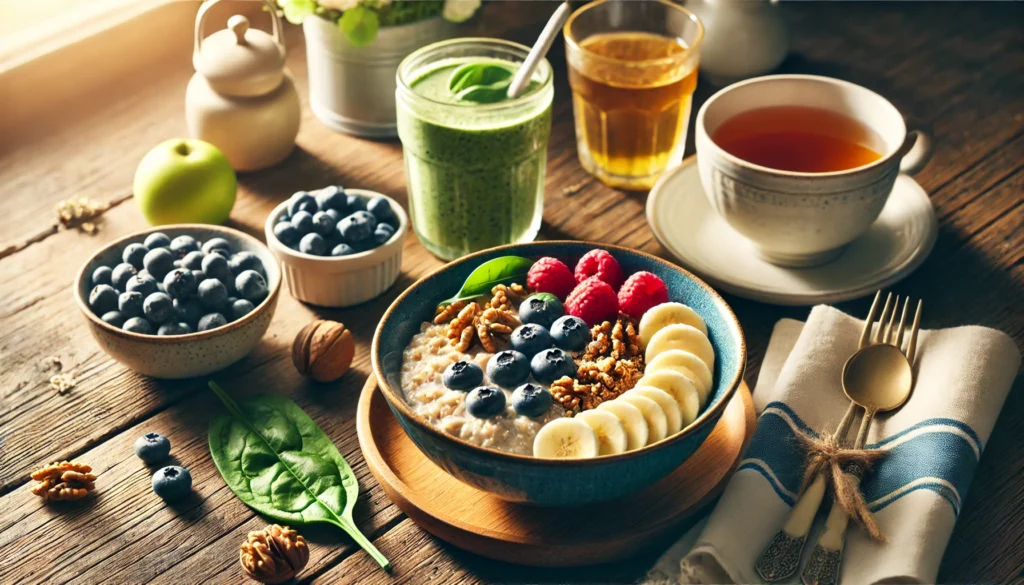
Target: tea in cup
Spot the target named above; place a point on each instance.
(802, 165)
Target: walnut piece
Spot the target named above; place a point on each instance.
(65, 480)
(274, 554)
(484, 321)
(323, 350)
(611, 364)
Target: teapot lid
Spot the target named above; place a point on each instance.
(240, 61)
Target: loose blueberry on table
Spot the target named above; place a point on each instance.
(332, 222)
(152, 447)
(172, 482)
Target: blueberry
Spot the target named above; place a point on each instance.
(313, 244)
(130, 303)
(251, 286)
(182, 245)
(343, 250)
(158, 308)
(462, 375)
(174, 328)
(530, 339)
(383, 233)
(302, 201)
(103, 298)
(551, 364)
(143, 274)
(333, 198)
(243, 261)
(144, 284)
(303, 222)
(193, 260)
(212, 293)
(323, 224)
(101, 275)
(157, 240)
(138, 325)
(158, 262)
(286, 233)
(240, 308)
(570, 333)
(381, 208)
(215, 266)
(199, 277)
(152, 447)
(225, 254)
(188, 311)
(114, 318)
(531, 400)
(334, 214)
(211, 321)
(180, 283)
(485, 402)
(541, 309)
(122, 272)
(217, 244)
(508, 368)
(357, 227)
(355, 203)
(134, 254)
(172, 483)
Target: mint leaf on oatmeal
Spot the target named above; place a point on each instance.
(502, 270)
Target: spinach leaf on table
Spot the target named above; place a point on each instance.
(281, 464)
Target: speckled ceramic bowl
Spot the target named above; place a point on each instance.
(570, 482)
(182, 356)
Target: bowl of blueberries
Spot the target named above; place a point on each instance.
(338, 247)
(179, 301)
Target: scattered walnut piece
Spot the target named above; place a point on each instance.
(274, 554)
(79, 212)
(63, 383)
(65, 480)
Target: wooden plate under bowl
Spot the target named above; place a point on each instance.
(550, 537)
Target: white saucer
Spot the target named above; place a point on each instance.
(683, 221)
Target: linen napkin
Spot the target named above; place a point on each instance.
(935, 440)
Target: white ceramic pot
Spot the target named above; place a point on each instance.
(804, 219)
(742, 38)
(352, 89)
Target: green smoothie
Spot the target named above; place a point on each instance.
(475, 170)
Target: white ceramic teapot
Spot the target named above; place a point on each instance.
(742, 38)
(241, 99)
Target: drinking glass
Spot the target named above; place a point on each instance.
(632, 69)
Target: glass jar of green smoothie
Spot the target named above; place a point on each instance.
(474, 159)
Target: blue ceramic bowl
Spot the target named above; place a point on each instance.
(566, 482)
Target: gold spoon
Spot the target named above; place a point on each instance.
(878, 378)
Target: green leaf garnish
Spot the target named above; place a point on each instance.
(501, 270)
(359, 25)
(281, 464)
(483, 83)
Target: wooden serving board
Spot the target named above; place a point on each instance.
(551, 537)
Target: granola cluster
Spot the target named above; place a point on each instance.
(487, 322)
(66, 480)
(611, 364)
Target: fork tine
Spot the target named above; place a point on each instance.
(912, 342)
(865, 335)
(903, 321)
(887, 338)
(877, 337)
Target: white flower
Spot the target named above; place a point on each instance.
(459, 10)
(340, 5)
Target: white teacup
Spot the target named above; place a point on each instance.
(804, 219)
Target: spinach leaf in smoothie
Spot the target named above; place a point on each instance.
(483, 83)
(502, 270)
(279, 462)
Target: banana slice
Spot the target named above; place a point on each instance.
(657, 422)
(668, 404)
(660, 316)
(632, 420)
(684, 337)
(611, 434)
(680, 388)
(565, 438)
(686, 364)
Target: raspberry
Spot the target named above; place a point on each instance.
(599, 263)
(642, 291)
(593, 300)
(551, 275)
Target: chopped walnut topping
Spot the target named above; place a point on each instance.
(507, 298)
(611, 364)
(487, 321)
(448, 312)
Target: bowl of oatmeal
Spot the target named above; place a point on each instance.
(559, 373)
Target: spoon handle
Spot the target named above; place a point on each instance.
(540, 48)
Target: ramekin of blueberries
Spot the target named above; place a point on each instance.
(182, 284)
(338, 247)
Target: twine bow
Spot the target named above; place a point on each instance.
(842, 470)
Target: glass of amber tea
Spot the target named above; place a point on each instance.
(632, 69)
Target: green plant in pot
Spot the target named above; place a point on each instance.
(359, 20)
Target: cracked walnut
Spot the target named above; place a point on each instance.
(486, 321)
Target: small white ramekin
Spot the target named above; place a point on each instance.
(342, 281)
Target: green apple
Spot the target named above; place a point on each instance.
(185, 181)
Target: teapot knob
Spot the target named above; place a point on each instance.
(238, 25)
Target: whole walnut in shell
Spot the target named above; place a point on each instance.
(323, 350)
(274, 554)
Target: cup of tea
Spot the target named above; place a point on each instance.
(802, 165)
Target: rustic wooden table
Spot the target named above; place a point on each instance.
(955, 69)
